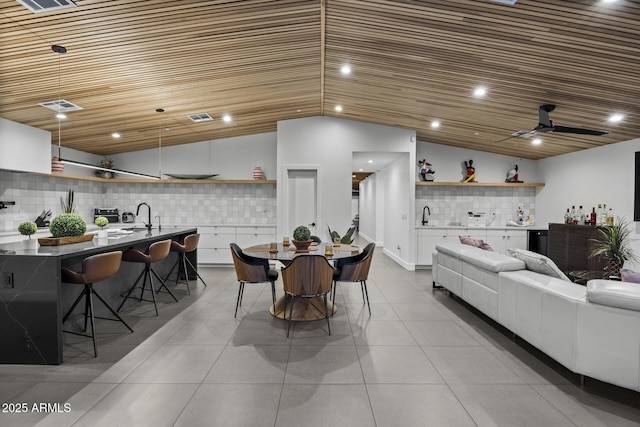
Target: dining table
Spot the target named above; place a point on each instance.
(305, 309)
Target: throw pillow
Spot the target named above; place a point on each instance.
(539, 263)
(630, 275)
(478, 243)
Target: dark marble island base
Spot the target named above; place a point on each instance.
(33, 299)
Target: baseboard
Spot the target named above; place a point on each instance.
(406, 265)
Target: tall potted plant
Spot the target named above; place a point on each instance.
(614, 245)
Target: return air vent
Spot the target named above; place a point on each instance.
(61, 106)
(200, 117)
(505, 1)
(37, 6)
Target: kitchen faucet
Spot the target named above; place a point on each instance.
(425, 220)
(159, 224)
(148, 225)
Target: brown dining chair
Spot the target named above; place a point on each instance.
(156, 252)
(355, 269)
(189, 244)
(252, 270)
(307, 276)
(95, 269)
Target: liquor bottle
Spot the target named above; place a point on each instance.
(598, 214)
(603, 217)
(567, 217)
(574, 215)
(581, 216)
(592, 219)
(610, 217)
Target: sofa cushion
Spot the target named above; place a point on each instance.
(538, 263)
(492, 261)
(630, 275)
(614, 293)
(476, 243)
(453, 249)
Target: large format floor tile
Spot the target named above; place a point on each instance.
(421, 358)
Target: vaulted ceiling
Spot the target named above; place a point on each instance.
(261, 61)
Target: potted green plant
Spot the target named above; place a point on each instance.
(68, 205)
(66, 228)
(28, 228)
(102, 222)
(614, 245)
(302, 238)
(347, 239)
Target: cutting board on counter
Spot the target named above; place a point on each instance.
(58, 241)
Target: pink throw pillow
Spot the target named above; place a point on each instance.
(630, 276)
(478, 243)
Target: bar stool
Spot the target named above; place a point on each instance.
(95, 269)
(157, 252)
(189, 244)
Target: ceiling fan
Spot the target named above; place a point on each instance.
(545, 125)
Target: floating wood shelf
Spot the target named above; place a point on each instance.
(480, 184)
(161, 181)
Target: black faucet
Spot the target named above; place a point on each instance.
(148, 225)
(425, 221)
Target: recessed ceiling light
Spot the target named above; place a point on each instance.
(370, 161)
(338, 108)
(299, 110)
(609, 1)
(353, 176)
(476, 133)
(435, 124)
(115, 135)
(536, 141)
(226, 118)
(61, 116)
(480, 92)
(360, 170)
(345, 70)
(616, 117)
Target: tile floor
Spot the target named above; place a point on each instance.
(422, 359)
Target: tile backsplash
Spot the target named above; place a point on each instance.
(449, 204)
(177, 204)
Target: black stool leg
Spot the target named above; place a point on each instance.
(290, 315)
(183, 258)
(195, 270)
(130, 290)
(162, 284)
(239, 299)
(111, 309)
(326, 313)
(93, 324)
(364, 282)
(75, 303)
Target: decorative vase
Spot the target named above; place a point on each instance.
(614, 269)
(257, 173)
(56, 165)
(30, 244)
(103, 234)
(302, 245)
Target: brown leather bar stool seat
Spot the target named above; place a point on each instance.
(95, 269)
(157, 252)
(189, 244)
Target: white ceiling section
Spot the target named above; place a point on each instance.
(260, 61)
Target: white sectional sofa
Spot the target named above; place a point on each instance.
(592, 330)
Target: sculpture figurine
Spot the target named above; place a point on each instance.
(426, 170)
(470, 170)
(512, 174)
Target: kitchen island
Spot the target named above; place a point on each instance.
(33, 299)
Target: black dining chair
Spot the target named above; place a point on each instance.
(308, 276)
(355, 269)
(252, 270)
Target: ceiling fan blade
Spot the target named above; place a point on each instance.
(581, 131)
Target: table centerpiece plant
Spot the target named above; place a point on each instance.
(614, 245)
(102, 222)
(302, 238)
(28, 228)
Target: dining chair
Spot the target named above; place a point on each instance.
(307, 276)
(252, 270)
(355, 269)
(95, 269)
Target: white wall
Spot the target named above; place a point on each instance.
(448, 164)
(329, 142)
(231, 158)
(598, 175)
(368, 209)
(24, 148)
(399, 234)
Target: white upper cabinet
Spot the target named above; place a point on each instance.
(24, 148)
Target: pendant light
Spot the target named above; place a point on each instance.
(62, 50)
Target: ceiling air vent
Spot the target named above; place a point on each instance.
(38, 6)
(200, 117)
(61, 106)
(505, 1)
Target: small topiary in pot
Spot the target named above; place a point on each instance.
(68, 224)
(27, 228)
(301, 238)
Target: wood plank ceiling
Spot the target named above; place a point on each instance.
(267, 60)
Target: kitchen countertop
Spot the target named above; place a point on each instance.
(491, 227)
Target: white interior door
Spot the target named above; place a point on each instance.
(302, 199)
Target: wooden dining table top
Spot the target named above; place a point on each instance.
(288, 253)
